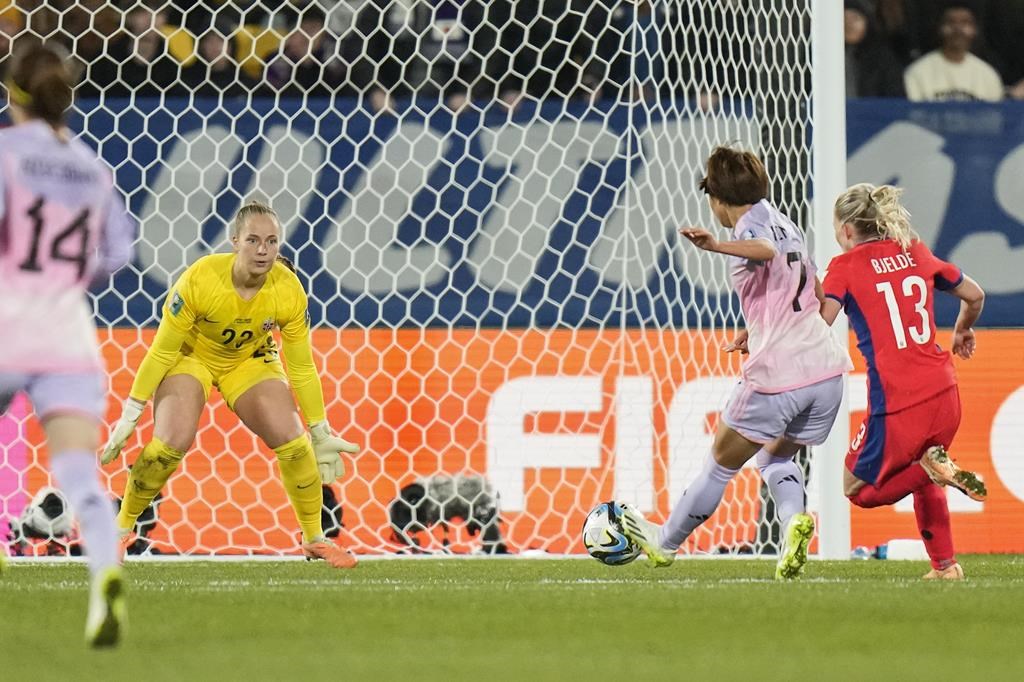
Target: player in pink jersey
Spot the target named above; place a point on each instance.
(885, 281)
(61, 227)
(792, 382)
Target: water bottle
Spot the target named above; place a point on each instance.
(860, 552)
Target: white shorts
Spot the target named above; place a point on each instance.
(81, 393)
(804, 415)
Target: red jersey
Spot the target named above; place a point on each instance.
(888, 296)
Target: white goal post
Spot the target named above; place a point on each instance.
(481, 198)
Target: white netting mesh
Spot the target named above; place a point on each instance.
(481, 198)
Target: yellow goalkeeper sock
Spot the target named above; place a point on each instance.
(149, 474)
(301, 480)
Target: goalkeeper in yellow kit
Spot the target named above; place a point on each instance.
(216, 331)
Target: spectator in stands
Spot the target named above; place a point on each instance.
(307, 63)
(136, 60)
(872, 69)
(215, 71)
(1004, 28)
(374, 54)
(899, 26)
(198, 16)
(441, 30)
(149, 70)
(87, 29)
(694, 67)
(952, 73)
(340, 15)
(639, 66)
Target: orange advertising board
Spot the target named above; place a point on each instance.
(557, 420)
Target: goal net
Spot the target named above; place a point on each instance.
(481, 199)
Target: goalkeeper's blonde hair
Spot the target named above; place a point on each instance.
(251, 208)
(876, 211)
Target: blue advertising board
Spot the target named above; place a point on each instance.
(548, 217)
(962, 166)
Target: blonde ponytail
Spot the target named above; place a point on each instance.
(876, 211)
(892, 219)
(253, 207)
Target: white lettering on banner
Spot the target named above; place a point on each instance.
(286, 173)
(689, 438)
(360, 249)
(634, 442)
(989, 256)
(510, 451)
(544, 161)
(920, 167)
(1005, 441)
(182, 196)
(662, 197)
(181, 199)
(1007, 184)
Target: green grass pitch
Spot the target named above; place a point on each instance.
(529, 620)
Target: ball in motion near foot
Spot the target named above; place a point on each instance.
(603, 536)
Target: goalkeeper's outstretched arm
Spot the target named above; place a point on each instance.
(298, 355)
(178, 317)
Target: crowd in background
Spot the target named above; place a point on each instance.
(383, 50)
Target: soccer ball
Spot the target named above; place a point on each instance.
(603, 536)
(47, 516)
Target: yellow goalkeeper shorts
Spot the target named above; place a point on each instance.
(234, 382)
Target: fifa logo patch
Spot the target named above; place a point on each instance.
(177, 303)
(268, 324)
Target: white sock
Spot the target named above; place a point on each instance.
(697, 504)
(77, 475)
(785, 480)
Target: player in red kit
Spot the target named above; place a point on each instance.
(885, 281)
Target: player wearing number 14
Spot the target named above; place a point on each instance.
(62, 227)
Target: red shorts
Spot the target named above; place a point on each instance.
(888, 443)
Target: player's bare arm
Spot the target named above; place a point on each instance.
(751, 249)
(830, 308)
(972, 300)
(738, 344)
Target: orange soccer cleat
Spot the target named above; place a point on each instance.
(336, 556)
(953, 572)
(944, 471)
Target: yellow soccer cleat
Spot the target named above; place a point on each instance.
(644, 533)
(106, 619)
(336, 556)
(793, 555)
(944, 471)
(954, 572)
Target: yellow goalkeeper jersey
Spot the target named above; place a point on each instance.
(204, 316)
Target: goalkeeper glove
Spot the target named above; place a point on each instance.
(326, 447)
(124, 427)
